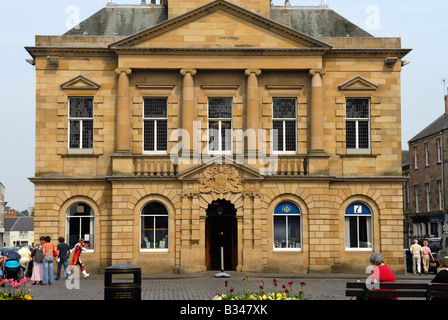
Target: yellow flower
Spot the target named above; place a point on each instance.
(28, 297)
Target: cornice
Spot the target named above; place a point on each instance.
(181, 176)
(222, 51)
(368, 52)
(107, 52)
(69, 51)
(37, 180)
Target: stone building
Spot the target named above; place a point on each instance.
(428, 180)
(165, 132)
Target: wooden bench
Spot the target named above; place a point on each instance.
(423, 290)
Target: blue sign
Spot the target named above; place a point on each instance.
(358, 208)
(287, 207)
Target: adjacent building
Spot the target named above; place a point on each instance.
(428, 151)
(169, 133)
(19, 230)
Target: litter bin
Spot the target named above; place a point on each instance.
(119, 286)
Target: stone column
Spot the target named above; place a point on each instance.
(187, 109)
(317, 112)
(123, 111)
(252, 107)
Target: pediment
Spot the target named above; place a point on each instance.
(81, 83)
(220, 164)
(358, 83)
(220, 24)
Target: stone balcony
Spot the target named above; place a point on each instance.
(163, 166)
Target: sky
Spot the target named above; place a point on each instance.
(422, 26)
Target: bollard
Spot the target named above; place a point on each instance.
(121, 290)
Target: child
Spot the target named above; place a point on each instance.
(77, 250)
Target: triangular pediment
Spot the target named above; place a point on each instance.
(81, 83)
(196, 172)
(220, 24)
(358, 83)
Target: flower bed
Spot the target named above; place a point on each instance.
(285, 293)
(15, 290)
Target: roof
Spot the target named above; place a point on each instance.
(19, 224)
(439, 125)
(126, 20)
(319, 21)
(121, 20)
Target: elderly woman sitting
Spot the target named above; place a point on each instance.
(381, 272)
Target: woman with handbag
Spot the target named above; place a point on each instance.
(37, 275)
(49, 251)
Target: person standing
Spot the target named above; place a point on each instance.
(77, 250)
(37, 275)
(426, 252)
(416, 251)
(25, 257)
(48, 249)
(63, 256)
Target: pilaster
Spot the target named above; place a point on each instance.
(252, 106)
(187, 110)
(316, 114)
(123, 111)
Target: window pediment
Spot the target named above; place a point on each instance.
(80, 83)
(358, 83)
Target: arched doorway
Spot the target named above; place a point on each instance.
(221, 231)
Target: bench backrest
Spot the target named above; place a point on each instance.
(398, 289)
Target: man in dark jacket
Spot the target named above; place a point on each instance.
(63, 255)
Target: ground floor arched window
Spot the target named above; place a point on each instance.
(80, 225)
(154, 227)
(358, 226)
(287, 226)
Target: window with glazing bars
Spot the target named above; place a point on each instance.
(284, 124)
(80, 118)
(155, 124)
(220, 124)
(357, 121)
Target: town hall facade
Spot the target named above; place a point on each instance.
(167, 131)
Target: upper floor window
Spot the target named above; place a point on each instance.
(220, 124)
(415, 157)
(426, 154)
(416, 195)
(439, 150)
(284, 125)
(155, 125)
(80, 118)
(357, 122)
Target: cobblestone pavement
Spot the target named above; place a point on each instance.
(204, 286)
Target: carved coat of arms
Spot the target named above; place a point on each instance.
(220, 179)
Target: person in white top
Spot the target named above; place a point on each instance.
(25, 257)
(416, 251)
